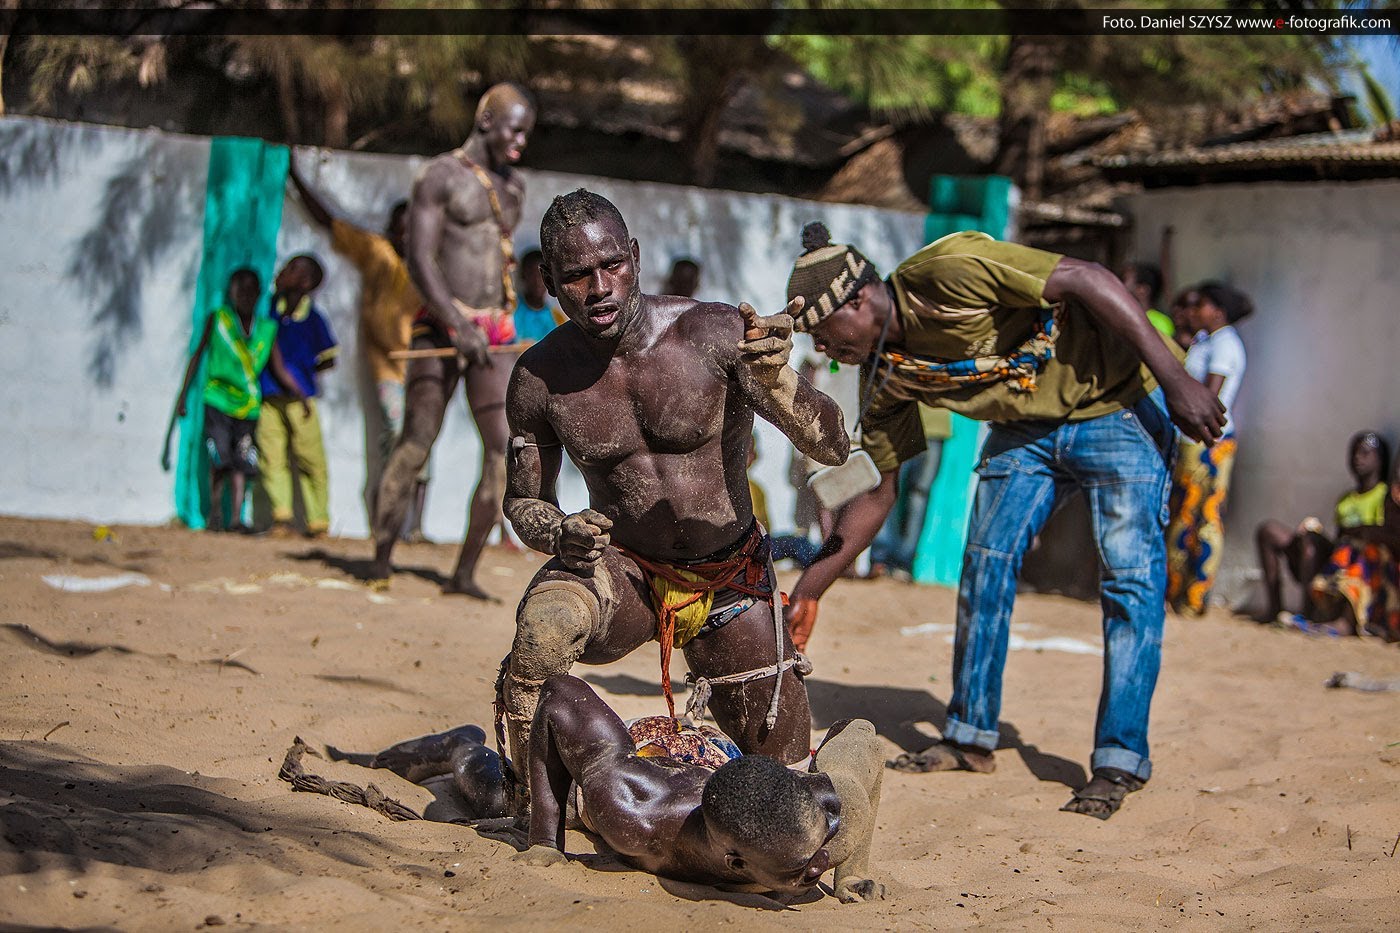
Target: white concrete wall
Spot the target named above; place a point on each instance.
(95, 218)
(1322, 263)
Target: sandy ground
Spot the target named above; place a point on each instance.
(141, 730)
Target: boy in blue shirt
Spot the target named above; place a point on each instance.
(289, 431)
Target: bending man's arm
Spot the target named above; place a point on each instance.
(857, 523)
(811, 419)
(1194, 408)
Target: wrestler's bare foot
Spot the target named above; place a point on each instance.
(1103, 795)
(381, 569)
(945, 756)
(541, 855)
(468, 588)
(855, 890)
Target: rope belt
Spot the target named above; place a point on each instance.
(743, 573)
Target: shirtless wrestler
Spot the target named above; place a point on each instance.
(464, 206)
(653, 398)
(674, 803)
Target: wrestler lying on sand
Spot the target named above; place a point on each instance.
(681, 803)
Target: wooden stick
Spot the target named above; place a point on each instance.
(439, 352)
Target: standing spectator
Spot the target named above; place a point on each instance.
(239, 344)
(1196, 536)
(1144, 282)
(534, 315)
(1182, 331)
(1305, 549)
(388, 302)
(684, 279)
(289, 431)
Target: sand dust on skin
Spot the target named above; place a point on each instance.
(141, 730)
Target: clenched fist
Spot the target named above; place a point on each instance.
(580, 538)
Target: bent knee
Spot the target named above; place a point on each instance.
(552, 628)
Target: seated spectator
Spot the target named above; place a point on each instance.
(1358, 591)
(1304, 549)
(239, 344)
(1196, 535)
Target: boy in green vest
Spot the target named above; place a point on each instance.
(239, 344)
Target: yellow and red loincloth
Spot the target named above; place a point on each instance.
(684, 596)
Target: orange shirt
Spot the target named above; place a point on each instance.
(388, 297)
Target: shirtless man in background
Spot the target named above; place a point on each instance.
(653, 398)
(464, 206)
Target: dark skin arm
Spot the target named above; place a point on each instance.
(856, 526)
(427, 212)
(810, 419)
(1194, 408)
(313, 204)
(195, 357)
(532, 470)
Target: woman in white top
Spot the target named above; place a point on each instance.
(1202, 479)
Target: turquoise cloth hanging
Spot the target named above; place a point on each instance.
(242, 215)
(938, 558)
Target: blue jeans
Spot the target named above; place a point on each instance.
(1122, 463)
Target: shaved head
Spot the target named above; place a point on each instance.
(500, 98)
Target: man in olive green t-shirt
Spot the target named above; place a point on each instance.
(1063, 362)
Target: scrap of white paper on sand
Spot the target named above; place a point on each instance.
(928, 628)
(1056, 643)
(71, 584)
(1016, 642)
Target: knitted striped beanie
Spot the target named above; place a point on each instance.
(827, 275)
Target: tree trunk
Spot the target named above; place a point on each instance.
(714, 66)
(287, 104)
(700, 134)
(4, 41)
(1027, 86)
(335, 127)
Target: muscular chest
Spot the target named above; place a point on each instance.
(469, 204)
(668, 403)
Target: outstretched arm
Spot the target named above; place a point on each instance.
(195, 357)
(1194, 408)
(575, 733)
(856, 526)
(313, 204)
(811, 419)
